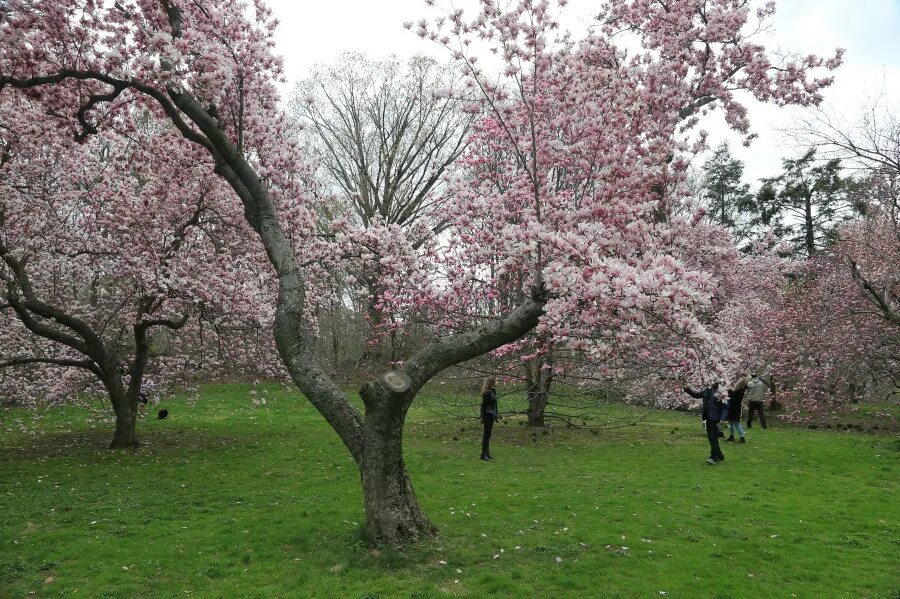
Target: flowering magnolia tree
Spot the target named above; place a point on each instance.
(560, 193)
(99, 246)
(825, 343)
(843, 308)
(592, 262)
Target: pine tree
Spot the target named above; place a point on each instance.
(805, 203)
(724, 194)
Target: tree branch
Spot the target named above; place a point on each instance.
(449, 351)
(873, 295)
(19, 361)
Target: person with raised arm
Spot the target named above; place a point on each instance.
(711, 414)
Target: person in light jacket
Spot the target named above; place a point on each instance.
(711, 415)
(756, 394)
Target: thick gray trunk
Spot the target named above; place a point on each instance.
(125, 435)
(393, 514)
(126, 432)
(124, 405)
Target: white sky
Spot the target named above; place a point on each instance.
(318, 31)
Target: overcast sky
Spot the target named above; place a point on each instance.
(312, 32)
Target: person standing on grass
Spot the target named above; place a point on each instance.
(756, 394)
(711, 414)
(489, 414)
(735, 398)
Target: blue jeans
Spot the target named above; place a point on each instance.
(736, 425)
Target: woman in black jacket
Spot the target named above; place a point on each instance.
(711, 414)
(489, 414)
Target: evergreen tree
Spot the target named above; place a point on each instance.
(724, 194)
(805, 203)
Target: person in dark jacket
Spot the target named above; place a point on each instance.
(735, 399)
(489, 414)
(711, 414)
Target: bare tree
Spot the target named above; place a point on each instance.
(385, 132)
(872, 143)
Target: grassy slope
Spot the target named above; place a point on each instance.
(229, 501)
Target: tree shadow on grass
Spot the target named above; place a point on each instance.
(181, 441)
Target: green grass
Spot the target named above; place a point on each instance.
(225, 500)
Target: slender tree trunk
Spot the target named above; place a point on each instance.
(810, 231)
(537, 404)
(538, 376)
(393, 338)
(335, 337)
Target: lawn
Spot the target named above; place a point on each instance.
(228, 500)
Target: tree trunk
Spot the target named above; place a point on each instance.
(335, 339)
(126, 433)
(538, 376)
(393, 515)
(537, 402)
(810, 227)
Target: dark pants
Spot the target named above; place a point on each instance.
(488, 420)
(758, 407)
(712, 431)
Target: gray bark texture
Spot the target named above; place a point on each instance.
(537, 391)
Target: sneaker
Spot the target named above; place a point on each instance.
(743, 440)
(730, 439)
(721, 458)
(711, 461)
(485, 458)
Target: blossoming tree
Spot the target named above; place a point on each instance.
(588, 265)
(558, 161)
(98, 243)
(843, 307)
